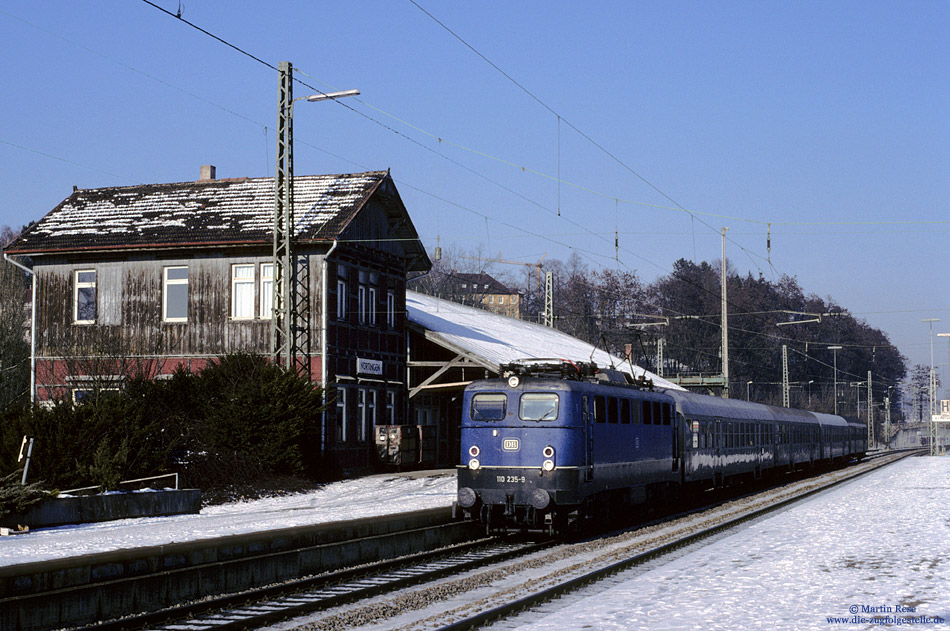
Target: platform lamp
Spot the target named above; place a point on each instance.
(933, 375)
(945, 335)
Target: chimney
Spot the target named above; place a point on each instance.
(207, 172)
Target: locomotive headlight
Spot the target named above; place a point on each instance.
(474, 464)
(473, 451)
(548, 465)
(513, 381)
(548, 452)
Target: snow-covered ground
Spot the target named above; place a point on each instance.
(864, 549)
(350, 499)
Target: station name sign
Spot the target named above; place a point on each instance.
(369, 367)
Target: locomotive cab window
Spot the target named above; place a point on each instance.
(538, 406)
(489, 407)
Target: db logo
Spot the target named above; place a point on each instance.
(511, 444)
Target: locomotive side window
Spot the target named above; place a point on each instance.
(538, 406)
(647, 413)
(625, 411)
(489, 407)
(667, 413)
(657, 414)
(612, 412)
(600, 409)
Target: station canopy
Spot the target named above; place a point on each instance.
(496, 339)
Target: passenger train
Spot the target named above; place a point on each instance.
(554, 443)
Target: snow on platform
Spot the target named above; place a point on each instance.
(351, 499)
(863, 549)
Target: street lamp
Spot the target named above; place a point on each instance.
(287, 343)
(748, 384)
(933, 375)
(809, 392)
(835, 349)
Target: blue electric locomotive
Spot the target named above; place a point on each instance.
(555, 442)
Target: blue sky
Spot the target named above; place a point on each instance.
(826, 120)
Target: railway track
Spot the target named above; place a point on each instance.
(254, 608)
(532, 579)
(413, 583)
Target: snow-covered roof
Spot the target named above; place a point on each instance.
(210, 212)
(498, 339)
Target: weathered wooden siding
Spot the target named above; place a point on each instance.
(129, 298)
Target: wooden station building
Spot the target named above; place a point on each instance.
(144, 279)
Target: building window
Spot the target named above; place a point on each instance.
(175, 294)
(501, 300)
(391, 309)
(372, 306)
(242, 292)
(341, 299)
(341, 414)
(361, 303)
(84, 297)
(267, 290)
(371, 410)
(366, 412)
(390, 407)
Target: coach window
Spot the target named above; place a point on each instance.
(538, 406)
(647, 413)
(600, 409)
(489, 407)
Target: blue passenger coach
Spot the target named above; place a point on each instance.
(553, 442)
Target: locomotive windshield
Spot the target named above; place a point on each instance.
(489, 407)
(538, 406)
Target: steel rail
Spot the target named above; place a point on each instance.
(261, 606)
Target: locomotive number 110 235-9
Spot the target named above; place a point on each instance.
(510, 479)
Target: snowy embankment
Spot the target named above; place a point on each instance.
(870, 553)
(350, 499)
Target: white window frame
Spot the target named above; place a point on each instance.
(361, 303)
(390, 407)
(240, 285)
(371, 412)
(372, 306)
(77, 286)
(267, 291)
(341, 291)
(341, 414)
(362, 415)
(174, 281)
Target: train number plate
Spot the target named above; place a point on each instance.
(510, 479)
